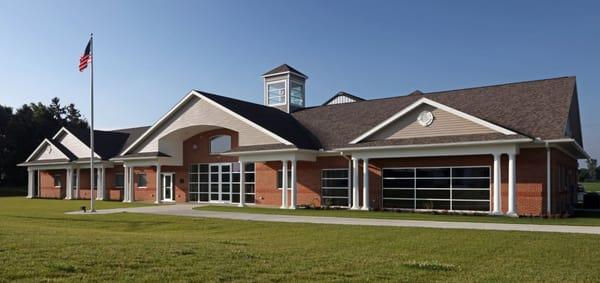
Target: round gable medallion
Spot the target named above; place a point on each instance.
(425, 118)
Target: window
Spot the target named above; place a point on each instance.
(119, 180)
(297, 94)
(142, 180)
(447, 188)
(276, 93)
(220, 182)
(280, 181)
(220, 144)
(335, 187)
(57, 181)
(74, 180)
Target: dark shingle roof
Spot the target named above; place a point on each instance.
(63, 149)
(533, 108)
(283, 68)
(272, 119)
(109, 144)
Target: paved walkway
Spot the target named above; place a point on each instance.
(187, 210)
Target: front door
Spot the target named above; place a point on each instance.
(220, 183)
(167, 186)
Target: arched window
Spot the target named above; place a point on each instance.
(220, 144)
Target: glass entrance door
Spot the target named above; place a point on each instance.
(167, 186)
(220, 182)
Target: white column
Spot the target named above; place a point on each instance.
(366, 205)
(131, 176)
(100, 185)
(69, 183)
(294, 193)
(242, 185)
(284, 182)
(125, 184)
(512, 178)
(77, 183)
(497, 191)
(355, 193)
(158, 188)
(30, 181)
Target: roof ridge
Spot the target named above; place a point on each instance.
(436, 92)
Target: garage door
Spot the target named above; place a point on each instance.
(445, 188)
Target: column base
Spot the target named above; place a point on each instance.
(241, 205)
(496, 213)
(355, 208)
(68, 198)
(365, 208)
(28, 197)
(283, 207)
(512, 214)
(292, 207)
(156, 202)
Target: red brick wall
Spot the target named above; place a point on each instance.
(47, 189)
(112, 192)
(309, 180)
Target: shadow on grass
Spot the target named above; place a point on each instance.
(89, 220)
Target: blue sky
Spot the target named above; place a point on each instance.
(149, 54)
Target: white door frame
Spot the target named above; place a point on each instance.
(164, 186)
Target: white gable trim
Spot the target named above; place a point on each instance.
(37, 149)
(436, 105)
(69, 133)
(221, 107)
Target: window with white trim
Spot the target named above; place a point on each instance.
(280, 179)
(443, 188)
(206, 178)
(296, 93)
(142, 180)
(276, 93)
(220, 144)
(119, 180)
(57, 181)
(335, 187)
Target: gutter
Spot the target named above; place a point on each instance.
(435, 145)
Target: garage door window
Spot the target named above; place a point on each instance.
(335, 187)
(445, 188)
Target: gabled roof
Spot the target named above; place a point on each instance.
(108, 144)
(272, 119)
(68, 154)
(342, 93)
(533, 109)
(282, 69)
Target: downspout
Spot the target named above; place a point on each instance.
(548, 180)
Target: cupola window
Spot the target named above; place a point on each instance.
(297, 94)
(276, 93)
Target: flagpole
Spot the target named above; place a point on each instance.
(92, 175)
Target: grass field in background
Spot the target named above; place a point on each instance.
(38, 242)
(589, 219)
(591, 186)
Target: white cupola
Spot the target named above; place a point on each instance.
(284, 88)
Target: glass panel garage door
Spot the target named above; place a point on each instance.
(220, 182)
(445, 188)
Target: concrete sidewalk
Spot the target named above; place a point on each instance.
(187, 210)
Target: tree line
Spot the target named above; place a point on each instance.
(22, 130)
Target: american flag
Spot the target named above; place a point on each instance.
(86, 58)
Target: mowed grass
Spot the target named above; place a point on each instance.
(588, 219)
(38, 242)
(591, 186)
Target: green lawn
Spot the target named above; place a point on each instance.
(591, 186)
(40, 243)
(584, 220)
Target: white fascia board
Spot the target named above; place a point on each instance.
(574, 142)
(69, 133)
(513, 141)
(283, 73)
(436, 105)
(157, 123)
(45, 141)
(182, 102)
